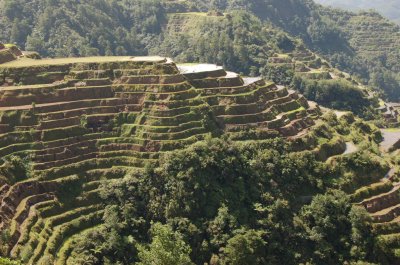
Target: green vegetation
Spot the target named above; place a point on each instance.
(371, 190)
(341, 95)
(167, 247)
(229, 223)
(390, 8)
(330, 221)
(102, 21)
(5, 261)
(133, 160)
(364, 44)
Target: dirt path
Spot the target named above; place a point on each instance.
(390, 137)
(350, 148)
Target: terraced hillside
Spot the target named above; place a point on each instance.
(305, 63)
(381, 47)
(196, 36)
(382, 201)
(390, 8)
(68, 125)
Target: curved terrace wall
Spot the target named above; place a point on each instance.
(78, 120)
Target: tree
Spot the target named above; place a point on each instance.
(220, 229)
(333, 232)
(337, 94)
(248, 247)
(167, 248)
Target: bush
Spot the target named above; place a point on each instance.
(5, 261)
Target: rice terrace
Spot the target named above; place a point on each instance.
(163, 132)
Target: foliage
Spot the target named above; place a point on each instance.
(241, 40)
(5, 261)
(238, 41)
(333, 230)
(388, 81)
(167, 247)
(16, 168)
(389, 8)
(247, 247)
(218, 201)
(337, 94)
(231, 202)
(96, 27)
(281, 74)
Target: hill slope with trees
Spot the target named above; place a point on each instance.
(105, 27)
(141, 160)
(389, 8)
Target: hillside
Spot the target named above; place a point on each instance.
(390, 9)
(96, 149)
(65, 28)
(198, 133)
(94, 118)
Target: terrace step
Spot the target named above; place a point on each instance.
(173, 136)
(59, 123)
(387, 227)
(246, 118)
(170, 129)
(89, 164)
(25, 228)
(173, 104)
(111, 119)
(227, 81)
(391, 240)
(23, 211)
(39, 226)
(274, 124)
(382, 201)
(51, 96)
(387, 214)
(152, 79)
(18, 193)
(249, 85)
(201, 71)
(51, 244)
(63, 162)
(64, 253)
(86, 111)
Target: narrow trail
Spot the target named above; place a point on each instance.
(390, 138)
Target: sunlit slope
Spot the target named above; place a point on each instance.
(69, 125)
